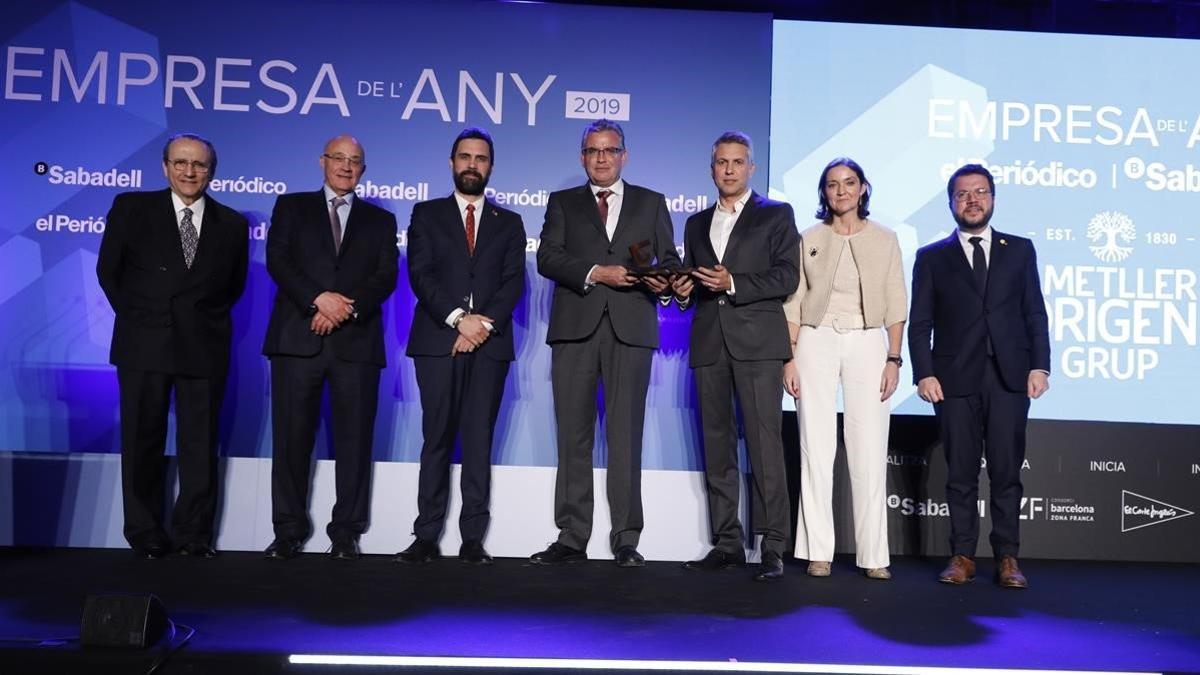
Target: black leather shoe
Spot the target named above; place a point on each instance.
(196, 549)
(716, 559)
(627, 556)
(420, 552)
(771, 567)
(344, 549)
(558, 554)
(152, 550)
(283, 549)
(473, 553)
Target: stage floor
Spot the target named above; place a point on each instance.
(250, 614)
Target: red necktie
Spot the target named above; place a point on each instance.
(602, 204)
(470, 229)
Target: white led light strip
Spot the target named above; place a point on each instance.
(690, 666)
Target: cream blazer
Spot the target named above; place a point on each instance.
(876, 251)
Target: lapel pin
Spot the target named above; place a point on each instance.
(812, 252)
(1003, 243)
(494, 212)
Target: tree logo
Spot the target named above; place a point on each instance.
(1107, 231)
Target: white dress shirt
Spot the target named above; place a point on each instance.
(723, 222)
(197, 208)
(614, 214)
(964, 238)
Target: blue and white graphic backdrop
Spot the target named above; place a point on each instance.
(1092, 141)
(92, 89)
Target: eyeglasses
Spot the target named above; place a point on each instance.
(182, 165)
(979, 193)
(610, 153)
(342, 159)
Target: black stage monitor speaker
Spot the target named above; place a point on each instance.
(136, 621)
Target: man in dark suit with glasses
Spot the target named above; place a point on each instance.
(603, 330)
(172, 264)
(980, 346)
(334, 258)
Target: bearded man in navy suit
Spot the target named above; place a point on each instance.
(980, 348)
(466, 263)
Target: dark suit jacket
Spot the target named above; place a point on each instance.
(763, 257)
(573, 239)
(171, 319)
(948, 306)
(444, 277)
(302, 261)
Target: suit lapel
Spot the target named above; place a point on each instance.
(485, 228)
(998, 261)
(323, 207)
(209, 233)
(587, 204)
(744, 222)
(706, 243)
(171, 240)
(452, 217)
(628, 205)
(958, 261)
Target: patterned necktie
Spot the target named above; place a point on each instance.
(335, 222)
(187, 233)
(602, 204)
(470, 229)
(979, 263)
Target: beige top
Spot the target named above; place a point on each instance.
(876, 252)
(845, 299)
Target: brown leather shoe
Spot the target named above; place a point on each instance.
(960, 570)
(1008, 574)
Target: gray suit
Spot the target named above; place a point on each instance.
(738, 347)
(603, 334)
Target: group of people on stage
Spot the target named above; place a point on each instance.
(819, 310)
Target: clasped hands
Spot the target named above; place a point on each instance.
(333, 309)
(473, 331)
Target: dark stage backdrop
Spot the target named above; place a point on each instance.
(92, 89)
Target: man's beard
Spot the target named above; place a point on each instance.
(965, 224)
(470, 182)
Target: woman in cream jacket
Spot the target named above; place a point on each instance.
(846, 323)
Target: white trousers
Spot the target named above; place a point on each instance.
(855, 359)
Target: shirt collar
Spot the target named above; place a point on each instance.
(330, 195)
(463, 201)
(965, 238)
(197, 206)
(738, 205)
(617, 188)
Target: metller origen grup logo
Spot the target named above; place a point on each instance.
(1111, 232)
(1138, 511)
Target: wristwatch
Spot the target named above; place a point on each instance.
(458, 319)
(896, 360)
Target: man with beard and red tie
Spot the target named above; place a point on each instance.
(466, 264)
